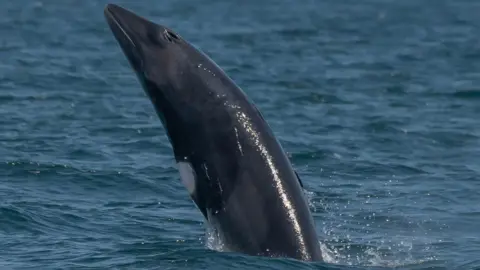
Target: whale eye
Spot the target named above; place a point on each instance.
(170, 36)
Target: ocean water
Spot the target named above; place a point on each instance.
(377, 103)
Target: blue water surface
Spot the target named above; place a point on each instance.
(377, 103)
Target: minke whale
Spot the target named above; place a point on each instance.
(229, 160)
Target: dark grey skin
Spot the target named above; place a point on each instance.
(245, 185)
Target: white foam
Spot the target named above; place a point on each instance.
(213, 240)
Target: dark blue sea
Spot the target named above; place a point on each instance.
(377, 103)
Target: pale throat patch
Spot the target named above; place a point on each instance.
(187, 176)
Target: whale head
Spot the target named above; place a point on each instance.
(181, 81)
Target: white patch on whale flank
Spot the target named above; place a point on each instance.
(187, 176)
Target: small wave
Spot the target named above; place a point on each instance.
(467, 94)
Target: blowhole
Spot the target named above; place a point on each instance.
(170, 36)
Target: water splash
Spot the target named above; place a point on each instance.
(343, 243)
(213, 240)
(309, 195)
(368, 256)
(341, 248)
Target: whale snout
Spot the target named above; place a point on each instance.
(137, 30)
